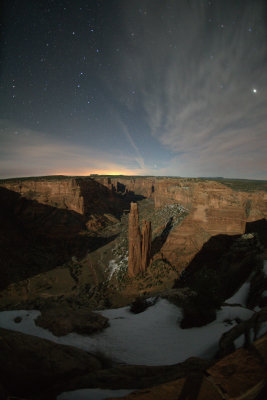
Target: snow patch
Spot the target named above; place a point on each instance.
(140, 338)
(240, 297)
(115, 267)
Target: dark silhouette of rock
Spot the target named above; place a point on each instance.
(30, 365)
(134, 257)
(146, 244)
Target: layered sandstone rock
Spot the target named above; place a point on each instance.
(213, 207)
(139, 245)
(146, 244)
(83, 195)
(134, 238)
(61, 193)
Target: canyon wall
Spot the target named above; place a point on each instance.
(60, 193)
(83, 195)
(214, 208)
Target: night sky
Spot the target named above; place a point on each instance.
(139, 87)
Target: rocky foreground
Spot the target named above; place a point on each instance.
(36, 368)
(64, 251)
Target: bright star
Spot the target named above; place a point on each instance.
(254, 90)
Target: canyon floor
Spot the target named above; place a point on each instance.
(71, 318)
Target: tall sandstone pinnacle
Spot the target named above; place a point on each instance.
(146, 245)
(139, 246)
(134, 257)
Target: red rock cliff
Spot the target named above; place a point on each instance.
(139, 245)
(61, 193)
(214, 208)
(134, 257)
(146, 244)
(82, 195)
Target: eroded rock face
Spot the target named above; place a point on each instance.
(60, 193)
(146, 244)
(85, 196)
(139, 245)
(214, 208)
(134, 258)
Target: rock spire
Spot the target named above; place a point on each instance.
(146, 245)
(139, 245)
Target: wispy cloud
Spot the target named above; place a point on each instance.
(195, 67)
(139, 159)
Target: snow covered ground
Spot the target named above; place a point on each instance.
(153, 337)
(150, 338)
(240, 296)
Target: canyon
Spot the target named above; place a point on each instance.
(73, 245)
(213, 208)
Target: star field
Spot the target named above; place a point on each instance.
(139, 87)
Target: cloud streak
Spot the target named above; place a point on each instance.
(195, 67)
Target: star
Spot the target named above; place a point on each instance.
(254, 90)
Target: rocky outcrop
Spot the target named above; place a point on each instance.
(63, 320)
(134, 239)
(214, 208)
(249, 328)
(57, 192)
(85, 196)
(146, 244)
(139, 245)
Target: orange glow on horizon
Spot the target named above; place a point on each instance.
(98, 172)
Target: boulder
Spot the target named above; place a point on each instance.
(63, 320)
